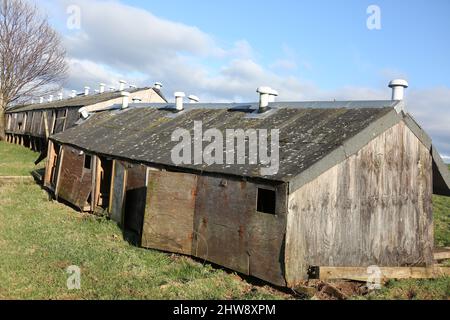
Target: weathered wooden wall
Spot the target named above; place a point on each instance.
(230, 232)
(372, 209)
(74, 181)
(117, 193)
(169, 214)
(216, 219)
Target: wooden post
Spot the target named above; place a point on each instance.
(51, 155)
(44, 114)
(58, 169)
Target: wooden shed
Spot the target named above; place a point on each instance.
(31, 125)
(354, 186)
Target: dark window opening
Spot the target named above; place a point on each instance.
(87, 162)
(266, 201)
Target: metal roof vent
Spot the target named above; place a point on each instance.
(266, 95)
(102, 87)
(122, 84)
(74, 93)
(86, 91)
(158, 85)
(125, 99)
(84, 113)
(193, 99)
(398, 89)
(179, 100)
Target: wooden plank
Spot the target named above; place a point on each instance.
(362, 274)
(111, 188)
(50, 162)
(97, 182)
(223, 208)
(58, 170)
(46, 125)
(118, 192)
(441, 254)
(169, 213)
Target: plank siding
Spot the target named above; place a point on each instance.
(74, 181)
(373, 208)
(230, 232)
(169, 213)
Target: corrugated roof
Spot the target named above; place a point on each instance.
(307, 135)
(78, 101)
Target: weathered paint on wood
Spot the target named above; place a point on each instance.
(117, 192)
(230, 232)
(75, 181)
(372, 209)
(50, 164)
(169, 213)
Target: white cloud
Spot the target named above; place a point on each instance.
(119, 41)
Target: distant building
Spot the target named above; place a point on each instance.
(31, 125)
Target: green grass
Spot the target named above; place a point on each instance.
(426, 289)
(39, 239)
(17, 160)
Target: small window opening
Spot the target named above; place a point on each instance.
(266, 201)
(87, 162)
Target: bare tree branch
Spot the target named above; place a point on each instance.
(32, 58)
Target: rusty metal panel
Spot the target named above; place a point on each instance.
(135, 197)
(117, 192)
(169, 214)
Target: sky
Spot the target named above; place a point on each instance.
(307, 50)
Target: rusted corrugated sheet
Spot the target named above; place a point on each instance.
(169, 214)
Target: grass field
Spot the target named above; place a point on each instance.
(16, 160)
(39, 239)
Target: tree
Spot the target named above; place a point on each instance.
(32, 58)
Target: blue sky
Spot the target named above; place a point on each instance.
(307, 50)
(329, 39)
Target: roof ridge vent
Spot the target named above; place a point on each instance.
(179, 100)
(398, 89)
(266, 95)
(125, 99)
